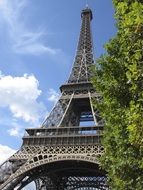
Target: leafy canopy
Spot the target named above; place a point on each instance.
(119, 78)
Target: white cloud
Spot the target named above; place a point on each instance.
(24, 41)
(53, 96)
(5, 152)
(20, 95)
(15, 130)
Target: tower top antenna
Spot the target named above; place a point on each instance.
(87, 4)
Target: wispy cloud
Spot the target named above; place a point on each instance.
(24, 41)
(53, 96)
(15, 130)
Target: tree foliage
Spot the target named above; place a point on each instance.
(119, 78)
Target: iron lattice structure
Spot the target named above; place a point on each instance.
(63, 154)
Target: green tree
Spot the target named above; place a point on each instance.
(119, 78)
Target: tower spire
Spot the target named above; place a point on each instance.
(84, 55)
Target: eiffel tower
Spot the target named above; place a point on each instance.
(63, 154)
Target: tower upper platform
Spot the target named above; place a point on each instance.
(87, 11)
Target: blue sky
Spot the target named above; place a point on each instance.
(38, 41)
